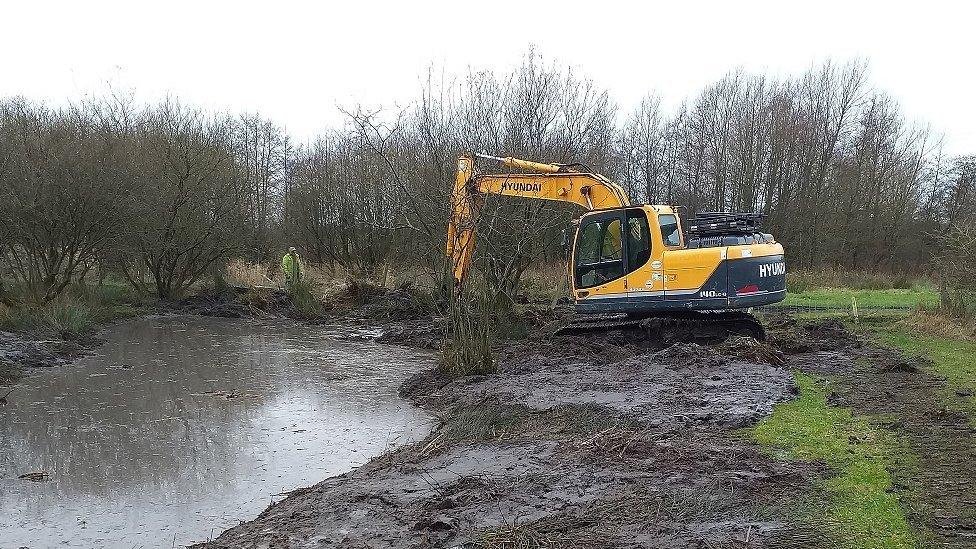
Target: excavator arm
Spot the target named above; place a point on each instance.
(556, 182)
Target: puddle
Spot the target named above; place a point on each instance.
(181, 427)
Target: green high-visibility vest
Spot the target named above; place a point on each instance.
(291, 267)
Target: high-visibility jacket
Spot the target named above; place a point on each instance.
(291, 267)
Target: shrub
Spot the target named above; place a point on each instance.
(470, 330)
(957, 271)
(303, 301)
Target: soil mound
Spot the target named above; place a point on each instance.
(19, 353)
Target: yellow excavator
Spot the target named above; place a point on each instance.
(635, 265)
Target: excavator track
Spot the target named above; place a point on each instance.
(673, 327)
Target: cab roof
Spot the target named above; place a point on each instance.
(660, 209)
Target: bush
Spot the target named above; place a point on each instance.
(303, 301)
(957, 271)
(470, 329)
(960, 304)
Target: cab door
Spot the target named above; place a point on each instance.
(599, 261)
(644, 283)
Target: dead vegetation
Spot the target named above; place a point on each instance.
(499, 422)
(939, 324)
(584, 530)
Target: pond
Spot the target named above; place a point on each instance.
(179, 427)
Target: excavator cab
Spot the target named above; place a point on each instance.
(638, 260)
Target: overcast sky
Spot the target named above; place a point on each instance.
(295, 62)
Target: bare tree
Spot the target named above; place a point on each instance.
(61, 192)
(189, 203)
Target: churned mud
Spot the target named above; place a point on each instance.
(18, 353)
(590, 441)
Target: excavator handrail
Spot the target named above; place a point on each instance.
(555, 182)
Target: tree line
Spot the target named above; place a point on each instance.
(165, 194)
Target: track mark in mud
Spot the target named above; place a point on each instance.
(863, 509)
(952, 358)
(937, 489)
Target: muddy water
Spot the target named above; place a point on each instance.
(182, 426)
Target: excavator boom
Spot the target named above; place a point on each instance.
(554, 182)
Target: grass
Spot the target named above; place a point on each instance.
(836, 288)
(79, 310)
(863, 513)
(953, 358)
(919, 296)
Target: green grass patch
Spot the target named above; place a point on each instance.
(79, 310)
(918, 296)
(863, 512)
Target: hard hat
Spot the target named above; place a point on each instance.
(291, 249)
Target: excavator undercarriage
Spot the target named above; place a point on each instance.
(672, 327)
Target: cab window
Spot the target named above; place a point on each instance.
(638, 240)
(669, 229)
(588, 247)
(612, 247)
(599, 253)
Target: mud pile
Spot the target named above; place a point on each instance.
(576, 442)
(18, 353)
(676, 387)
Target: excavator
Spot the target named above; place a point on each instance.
(635, 265)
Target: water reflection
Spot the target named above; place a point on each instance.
(181, 426)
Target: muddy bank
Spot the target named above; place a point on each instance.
(575, 443)
(20, 352)
(399, 316)
(402, 316)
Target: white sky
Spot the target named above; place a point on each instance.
(294, 62)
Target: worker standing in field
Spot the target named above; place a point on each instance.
(291, 267)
